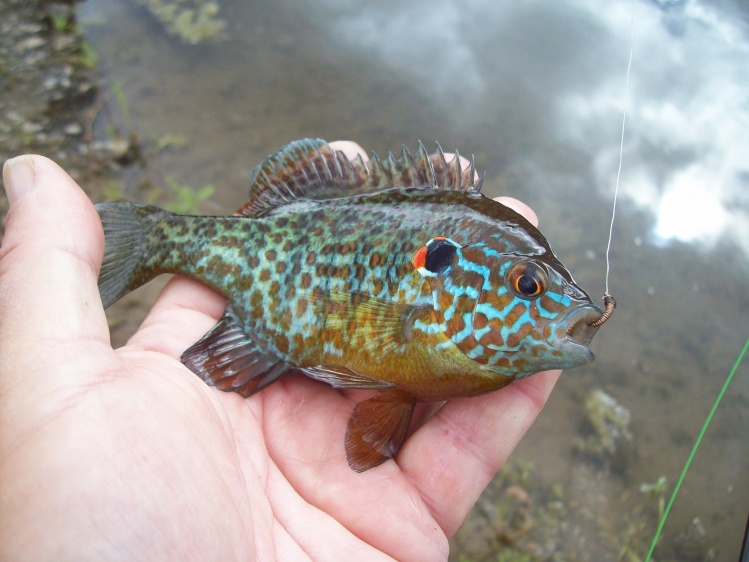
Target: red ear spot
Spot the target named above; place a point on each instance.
(420, 258)
(434, 257)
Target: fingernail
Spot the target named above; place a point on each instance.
(18, 176)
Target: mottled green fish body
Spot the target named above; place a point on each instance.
(394, 275)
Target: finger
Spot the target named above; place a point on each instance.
(350, 149)
(519, 207)
(307, 424)
(49, 261)
(470, 436)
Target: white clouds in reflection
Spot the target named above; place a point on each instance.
(423, 40)
(687, 139)
(688, 209)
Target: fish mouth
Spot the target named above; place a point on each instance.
(575, 332)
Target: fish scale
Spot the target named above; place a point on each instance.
(393, 274)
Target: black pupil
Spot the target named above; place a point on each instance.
(527, 285)
(439, 256)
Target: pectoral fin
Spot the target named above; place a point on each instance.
(377, 429)
(227, 358)
(387, 323)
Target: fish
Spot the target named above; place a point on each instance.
(395, 275)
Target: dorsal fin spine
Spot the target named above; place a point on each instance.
(441, 154)
(424, 157)
(375, 168)
(472, 169)
(309, 168)
(326, 165)
(443, 165)
(307, 179)
(339, 168)
(456, 171)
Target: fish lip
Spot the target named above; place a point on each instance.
(575, 333)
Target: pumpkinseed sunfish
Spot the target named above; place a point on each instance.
(396, 275)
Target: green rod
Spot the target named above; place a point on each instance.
(694, 449)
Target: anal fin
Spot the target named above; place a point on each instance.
(227, 358)
(377, 429)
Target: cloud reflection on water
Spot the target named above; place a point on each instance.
(426, 42)
(687, 139)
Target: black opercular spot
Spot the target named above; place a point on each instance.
(439, 256)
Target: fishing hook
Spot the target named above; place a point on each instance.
(610, 303)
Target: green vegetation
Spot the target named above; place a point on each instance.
(656, 490)
(177, 198)
(88, 56)
(687, 464)
(119, 95)
(169, 140)
(521, 519)
(607, 426)
(192, 21)
(62, 23)
(186, 200)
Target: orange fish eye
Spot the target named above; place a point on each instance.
(528, 280)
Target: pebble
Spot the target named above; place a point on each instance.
(29, 44)
(73, 129)
(31, 128)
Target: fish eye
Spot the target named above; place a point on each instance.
(528, 280)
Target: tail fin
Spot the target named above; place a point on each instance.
(126, 248)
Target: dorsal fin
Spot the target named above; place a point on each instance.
(310, 169)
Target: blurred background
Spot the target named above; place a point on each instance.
(174, 102)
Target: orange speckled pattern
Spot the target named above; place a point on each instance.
(395, 274)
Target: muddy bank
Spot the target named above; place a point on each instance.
(51, 102)
(47, 89)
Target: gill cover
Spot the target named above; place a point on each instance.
(486, 306)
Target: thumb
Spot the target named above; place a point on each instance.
(49, 261)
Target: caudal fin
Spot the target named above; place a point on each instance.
(125, 250)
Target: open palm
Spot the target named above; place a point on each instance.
(127, 455)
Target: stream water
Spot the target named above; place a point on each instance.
(535, 90)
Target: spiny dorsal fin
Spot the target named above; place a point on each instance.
(310, 169)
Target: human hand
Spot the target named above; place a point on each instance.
(125, 454)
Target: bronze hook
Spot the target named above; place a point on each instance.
(610, 304)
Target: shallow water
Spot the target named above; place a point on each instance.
(535, 91)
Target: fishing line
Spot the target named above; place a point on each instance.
(694, 449)
(621, 142)
(608, 300)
